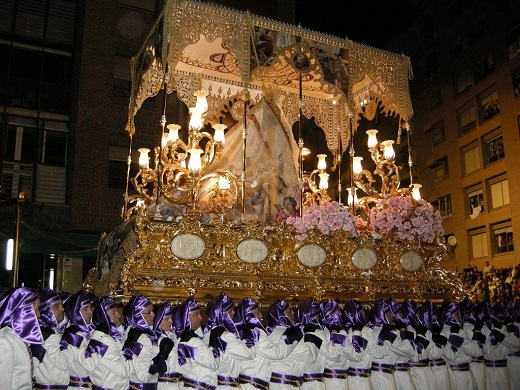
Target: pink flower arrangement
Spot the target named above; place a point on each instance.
(327, 217)
(409, 220)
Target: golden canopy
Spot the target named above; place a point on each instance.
(231, 52)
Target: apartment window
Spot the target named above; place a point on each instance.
(479, 247)
(438, 133)
(494, 146)
(503, 233)
(435, 100)
(444, 206)
(462, 81)
(475, 198)
(499, 190)
(484, 65)
(516, 82)
(55, 135)
(467, 118)
(489, 106)
(440, 169)
(471, 157)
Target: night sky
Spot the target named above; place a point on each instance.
(369, 23)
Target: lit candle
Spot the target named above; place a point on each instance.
(324, 181)
(372, 138)
(144, 160)
(196, 121)
(195, 164)
(202, 102)
(350, 199)
(219, 133)
(173, 135)
(389, 149)
(356, 165)
(322, 164)
(416, 192)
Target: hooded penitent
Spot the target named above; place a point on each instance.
(330, 314)
(181, 317)
(218, 314)
(133, 312)
(277, 317)
(47, 318)
(17, 313)
(161, 310)
(73, 308)
(244, 314)
(307, 313)
(353, 314)
(101, 319)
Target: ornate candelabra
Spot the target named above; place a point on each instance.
(318, 187)
(181, 172)
(383, 155)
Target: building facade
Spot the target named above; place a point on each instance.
(466, 97)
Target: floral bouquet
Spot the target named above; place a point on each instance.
(327, 217)
(408, 219)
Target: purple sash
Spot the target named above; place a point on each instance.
(255, 382)
(227, 381)
(142, 386)
(197, 385)
(81, 382)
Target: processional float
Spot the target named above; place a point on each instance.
(202, 216)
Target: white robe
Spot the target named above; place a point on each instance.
(267, 353)
(172, 367)
(111, 370)
(203, 367)
(15, 362)
(304, 352)
(54, 369)
(142, 362)
(229, 361)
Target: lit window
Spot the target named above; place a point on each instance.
(489, 106)
(471, 158)
(499, 190)
(503, 233)
(444, 206)
(475, 198)
(466, 118)
(479, 247)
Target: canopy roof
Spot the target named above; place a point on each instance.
(238, 55)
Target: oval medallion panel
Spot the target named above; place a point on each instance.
(312, 255)
(188, 246)
(252, 250)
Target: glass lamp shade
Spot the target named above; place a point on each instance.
(144, 160)
(372, 138)
(350, 198)
(195, 163)
(196, 121)
(388, 153)
(202, 102)
(324, 181)
(322, 164)
(219, 133)
(416, 191)
(356, 165)
(173, 135)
